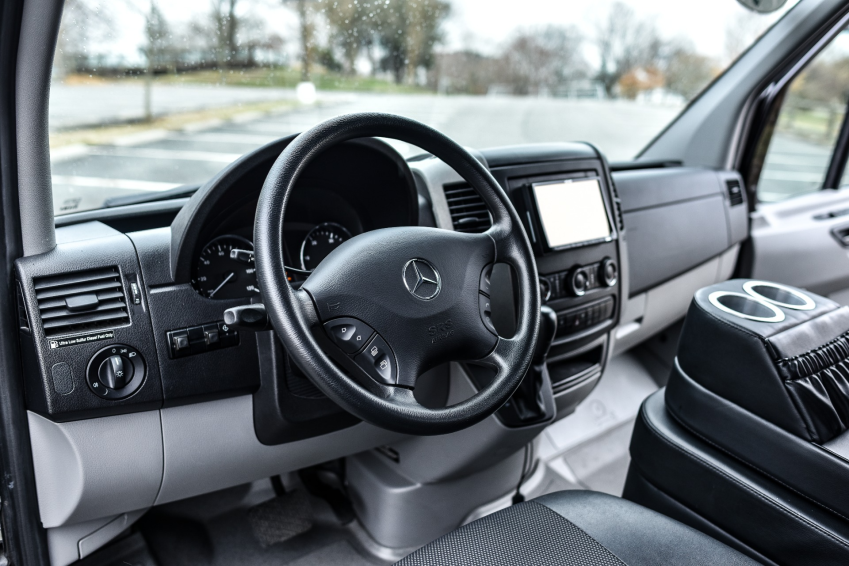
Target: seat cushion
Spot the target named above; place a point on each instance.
(575, 528)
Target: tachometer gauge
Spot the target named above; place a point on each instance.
(319, 242)
(217, 276)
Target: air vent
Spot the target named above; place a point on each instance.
(86, 300)
(468, 211)
(735, 192)
(617, 204)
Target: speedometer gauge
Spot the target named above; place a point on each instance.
(217, 276)
(319, 242)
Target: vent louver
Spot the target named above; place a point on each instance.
(735, 192)
(468, 211)
(86, 300)
(617, 204)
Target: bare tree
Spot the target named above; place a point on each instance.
(352, 23)
(541, 59)
(408, 31)
(624, 43)
(155, 50)
(306, 19)
(686, 72)
(225, 25)
(83, 24)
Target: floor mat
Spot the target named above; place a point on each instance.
(338, 554)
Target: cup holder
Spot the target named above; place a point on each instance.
(779, 295)
(746, 306)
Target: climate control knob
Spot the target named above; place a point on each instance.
(578, 282)
(609, 272)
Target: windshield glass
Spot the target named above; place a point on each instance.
(149, 95)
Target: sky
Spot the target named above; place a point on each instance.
(484, 25)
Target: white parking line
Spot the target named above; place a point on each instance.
(155, 153)
(128, 184)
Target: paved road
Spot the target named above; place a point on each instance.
(161, 161)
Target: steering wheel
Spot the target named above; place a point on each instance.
(390, 304)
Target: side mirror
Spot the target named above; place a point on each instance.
(763, 6)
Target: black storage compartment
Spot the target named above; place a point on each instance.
(750, 436)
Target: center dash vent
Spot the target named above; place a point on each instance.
(735, 192)
(469, 213)
(86, 300)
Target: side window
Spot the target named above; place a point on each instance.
(805, 133)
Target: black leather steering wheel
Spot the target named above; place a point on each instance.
(422, 290)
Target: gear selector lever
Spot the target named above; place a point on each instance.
(528, 398)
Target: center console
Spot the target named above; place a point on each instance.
(749, 442)
(566, 200)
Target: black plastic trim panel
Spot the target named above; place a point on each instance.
(52, 399)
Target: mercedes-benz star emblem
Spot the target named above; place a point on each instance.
(421, 279)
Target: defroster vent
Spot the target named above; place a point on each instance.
(469, 213)
(85, 300)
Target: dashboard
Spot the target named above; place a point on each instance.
(134, 381)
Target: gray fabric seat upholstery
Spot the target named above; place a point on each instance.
(575, 528)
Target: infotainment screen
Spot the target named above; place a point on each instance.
(571, 212)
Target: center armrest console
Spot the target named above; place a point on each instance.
(749, 440)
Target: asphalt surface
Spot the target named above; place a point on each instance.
(159, 160)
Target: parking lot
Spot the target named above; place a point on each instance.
(158, 160)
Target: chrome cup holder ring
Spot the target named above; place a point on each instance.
(782, 296)
(770, 312)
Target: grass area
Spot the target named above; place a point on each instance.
(284, 77)
(108, 133)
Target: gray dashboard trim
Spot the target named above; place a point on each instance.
(94, 468)
(97, 468)
(211, 446)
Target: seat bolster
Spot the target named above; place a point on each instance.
(636, 535)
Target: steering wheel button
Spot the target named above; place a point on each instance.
(486, 283)
(349, 334)
(379, 362)
(486, 312)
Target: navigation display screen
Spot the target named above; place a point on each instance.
(571, 212)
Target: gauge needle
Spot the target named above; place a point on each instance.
(226, 279)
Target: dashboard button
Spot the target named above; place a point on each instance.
(211, 335)
(379, 362)
(349, 334)
(179, 343)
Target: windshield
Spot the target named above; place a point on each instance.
(149, 95)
